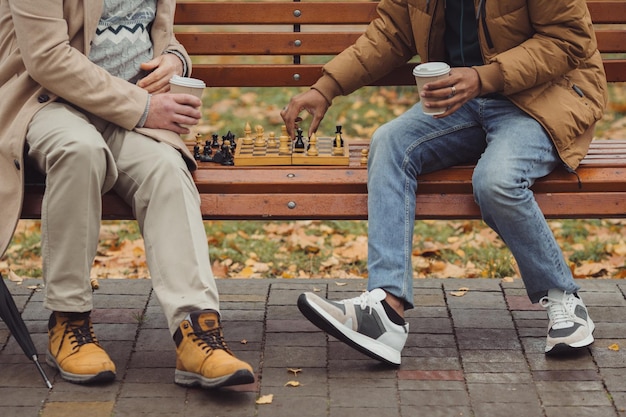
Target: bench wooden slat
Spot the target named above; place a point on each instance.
(267, 43)
(316, 43)
(446, 206)
(334, 13)
(607, 12)
(274, 13)
(615, 70)
(282, 75)
(611, 41)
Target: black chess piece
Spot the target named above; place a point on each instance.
(298, 145)
(228, 159)
(230, 137)
(338, 138)
(216, 142)
(206, 154)
(196, 152)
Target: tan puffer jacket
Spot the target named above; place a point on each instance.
(542, 54)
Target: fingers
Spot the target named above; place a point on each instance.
(169, 111)
(160, 70)
(462, 85)
(290, 117)
(310, 101)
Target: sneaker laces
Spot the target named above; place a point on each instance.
(365, 300)
(559, 310)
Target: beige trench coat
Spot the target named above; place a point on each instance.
(44, 45)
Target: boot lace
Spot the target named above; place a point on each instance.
(211, 340)
(80, 333)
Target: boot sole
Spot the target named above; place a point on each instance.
(190, 379)
(101, 377)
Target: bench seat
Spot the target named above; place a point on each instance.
(229, 43)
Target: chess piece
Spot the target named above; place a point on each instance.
(298, 145)
(247, 138)
(228, 156)
(216, 143)
(364, 154)
(196, 152)
(271, 141)
(338, 142)
(312, 151)
(259, 143)
(230, 137)
(284, 142)
(206, 153)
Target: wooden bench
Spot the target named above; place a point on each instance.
(306, 32)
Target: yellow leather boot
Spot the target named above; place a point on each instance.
(74, 350)
(202, 357)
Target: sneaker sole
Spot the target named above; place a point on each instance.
(561, 348)
(102, 377)
(190, 379)
(363, 344)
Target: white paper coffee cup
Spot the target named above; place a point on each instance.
(187, 85)
(426, 73)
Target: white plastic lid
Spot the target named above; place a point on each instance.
(431, 69)
(187, 82)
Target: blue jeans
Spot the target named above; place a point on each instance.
(512, 151)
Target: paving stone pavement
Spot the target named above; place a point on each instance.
(480, 355)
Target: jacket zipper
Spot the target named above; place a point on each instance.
(480, 14)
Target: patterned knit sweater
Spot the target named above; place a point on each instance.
(122, 40)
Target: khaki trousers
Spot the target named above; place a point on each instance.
(84, 157)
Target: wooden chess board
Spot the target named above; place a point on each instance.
(269, 153)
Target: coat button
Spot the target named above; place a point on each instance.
(43, 98)
(17, 164)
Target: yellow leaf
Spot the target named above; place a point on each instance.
(265, 399)
(341, 284)
(246, 272)
(460, 293)
(244, 342)
(292, 384)
(294, 370)
(614, 347)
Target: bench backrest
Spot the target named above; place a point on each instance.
(288, 41)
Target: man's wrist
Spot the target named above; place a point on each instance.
(185, 72)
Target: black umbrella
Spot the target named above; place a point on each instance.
(17, 327)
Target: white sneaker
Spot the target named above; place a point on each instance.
(570, 324)
(360, 322)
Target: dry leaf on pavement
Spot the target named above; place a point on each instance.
(265, 399)
(460, 293)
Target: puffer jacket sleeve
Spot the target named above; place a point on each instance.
(387, 43)
(552, 37)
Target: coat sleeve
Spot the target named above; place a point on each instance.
(44, 40)
(386, 44)
(552, 38)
